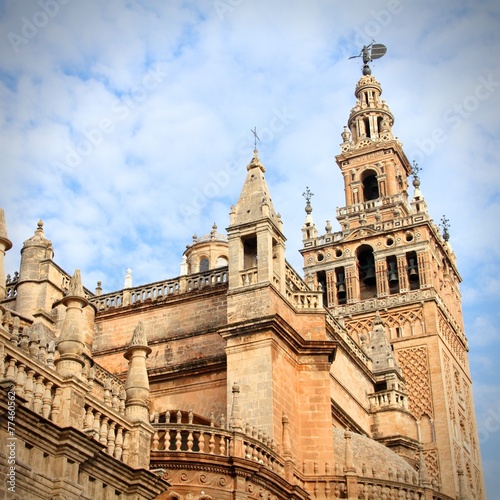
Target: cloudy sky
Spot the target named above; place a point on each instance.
(125, 126)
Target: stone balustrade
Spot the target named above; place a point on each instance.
(293, 280)
(160, 290)
(387, 399)
(305, 300)
(352, 345)
(185, 436)
(111, 430)
(370, 205)
(27, 364)
(248, 276)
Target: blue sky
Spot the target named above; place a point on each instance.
(125, 126)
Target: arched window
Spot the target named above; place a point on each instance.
(204, 265)
(370, 185)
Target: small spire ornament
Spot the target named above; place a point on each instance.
(445, 225)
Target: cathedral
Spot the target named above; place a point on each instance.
(242, 378)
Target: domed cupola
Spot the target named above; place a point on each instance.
(207, 252)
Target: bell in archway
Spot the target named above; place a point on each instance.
(369, 278)
(412, 270)
(392, 273)
(341, 292)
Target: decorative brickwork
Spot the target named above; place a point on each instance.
(450, 394)
(451, 339)
(415, 365)
(432, 464)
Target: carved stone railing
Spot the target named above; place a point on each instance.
(185, 436)
(370, 205)
(353, 346)
(305, 300)
(27, 366)
(293, 281)
(108, 428)
(388, 399)
(160, 290)
(377, 303)
(248, 276)
(106, 387)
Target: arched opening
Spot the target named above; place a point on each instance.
(204, 264)
(249, 252)
(366, 270)
(321, 278)
(370, 185)
(426, 432)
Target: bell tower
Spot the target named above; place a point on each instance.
(390, 263)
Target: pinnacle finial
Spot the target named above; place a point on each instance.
(3, 231)
(308, 194)
(75, 288)
(139, 338)
(445, 225)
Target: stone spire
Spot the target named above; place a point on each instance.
(255, 202)
(5, 244)
(71, 343)
(256, 243)
(380, 349)
(137, 383)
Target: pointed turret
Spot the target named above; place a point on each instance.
(71, 343)
(5, 244)
(37, 288)
(254, 202)
(137, 383)
(255, 238)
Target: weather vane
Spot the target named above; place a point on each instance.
(308, 195)
(255, 137)
(369, 53)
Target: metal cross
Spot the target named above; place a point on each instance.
(255, 137)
